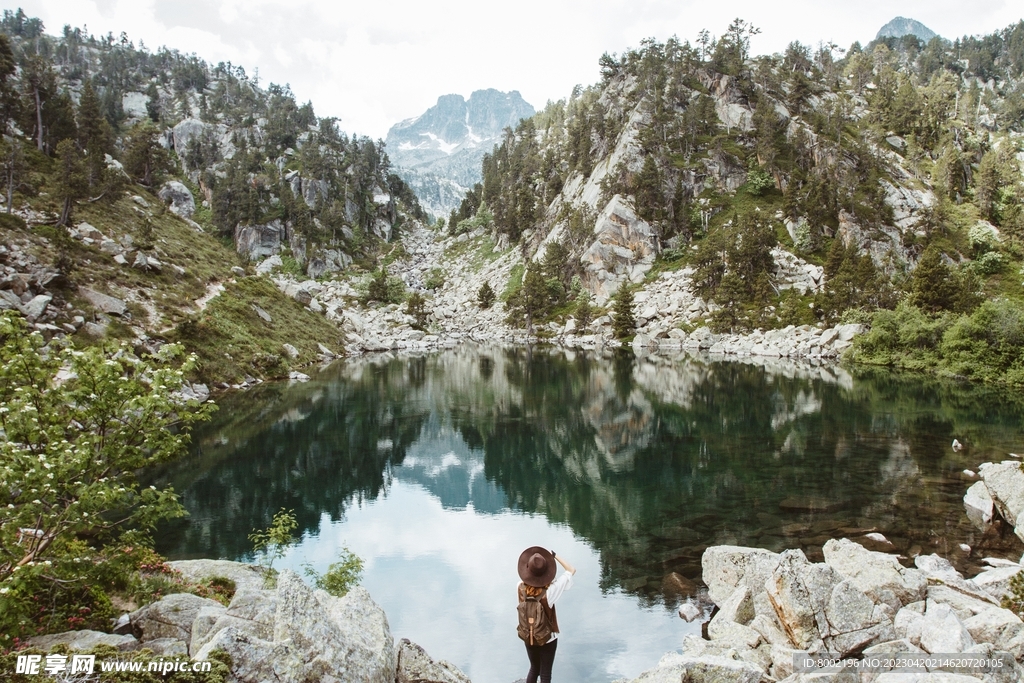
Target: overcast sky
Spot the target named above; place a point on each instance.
(374, 63)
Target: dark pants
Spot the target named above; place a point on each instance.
(541, 659)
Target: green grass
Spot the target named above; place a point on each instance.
(515, 282)
(232, 340)
(476, 251)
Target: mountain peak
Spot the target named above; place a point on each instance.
(443, 146)
(902, 26)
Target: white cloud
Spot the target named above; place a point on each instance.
(373, 64)
(432, 583)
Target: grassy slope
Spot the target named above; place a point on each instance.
(163, 305)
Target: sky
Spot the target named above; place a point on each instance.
(372, 64)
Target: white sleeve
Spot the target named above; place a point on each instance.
(559, 586)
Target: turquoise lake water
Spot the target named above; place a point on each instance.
(438, 470)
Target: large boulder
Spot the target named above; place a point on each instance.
(727, 567)
(368, 647)
(1005, 483)
(256, 242)
(84, 640)
(979, 505)
(314, 636)
(243, 575)
(252, 612)
(179, 198)
(623, 251)
(819, 609)
(254, 660)
(104, 303)
(878, 575)
(415, 666)
(171, 617)
(996, 581)
(704, 668)
(941, 631)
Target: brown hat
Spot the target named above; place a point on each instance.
(537, 567)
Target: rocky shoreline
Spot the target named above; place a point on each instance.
(764, 608)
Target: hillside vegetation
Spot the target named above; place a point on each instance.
(94, 129)
(896, 166)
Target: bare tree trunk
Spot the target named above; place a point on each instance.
(39, 120)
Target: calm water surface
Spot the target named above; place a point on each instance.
(438, 470)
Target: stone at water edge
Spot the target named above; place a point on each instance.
(689, 612)
(170, 617)
(879, 575)
(725, 567)
(979, 505)
(243, 575)
(416, 666)
(297, 376)
(1005, 483)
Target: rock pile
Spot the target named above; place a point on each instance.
(291, 633)
(857, 602)
(662, 308)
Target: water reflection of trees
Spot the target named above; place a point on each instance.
(308, 447)
(649, 459)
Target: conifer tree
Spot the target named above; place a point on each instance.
(145, 159)
(94, 135)
(69, 179)
(485, 296)
(623, 322)
(933, 287)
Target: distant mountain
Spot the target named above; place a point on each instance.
(438, 153)
(901, 26)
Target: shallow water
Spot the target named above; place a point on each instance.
(438, 470)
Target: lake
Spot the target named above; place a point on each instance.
(439, 470)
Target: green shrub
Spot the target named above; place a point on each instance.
(385, 289)
(340, 576)
(273, 542)
(987, 345)
(584, 311)
(435, 279)
(416, 306)
(78, 425)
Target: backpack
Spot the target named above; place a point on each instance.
(534, 625)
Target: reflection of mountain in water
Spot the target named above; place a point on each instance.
(650, 459)
(445, 465)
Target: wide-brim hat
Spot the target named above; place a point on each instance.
(537, 567)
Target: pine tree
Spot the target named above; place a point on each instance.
(69, 179)
(94, 135)
(485, 297)
(145, 159)
(8, 93)
(623, 322)
(933, 287)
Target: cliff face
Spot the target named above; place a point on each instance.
(439, 152)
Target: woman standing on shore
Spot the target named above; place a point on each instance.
(537, 570)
